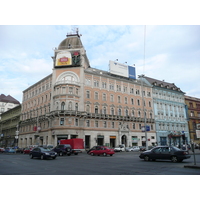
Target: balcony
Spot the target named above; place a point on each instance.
(67, 82)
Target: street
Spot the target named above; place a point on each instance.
(124, 163)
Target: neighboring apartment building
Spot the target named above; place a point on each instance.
(193, 111)
(170, 113)
(7, 102)
(9, 126)
(77, 101)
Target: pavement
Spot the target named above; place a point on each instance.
(194, 165)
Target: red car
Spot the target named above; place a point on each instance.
(102, 150)
(27, 150)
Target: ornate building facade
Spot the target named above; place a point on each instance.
(193, 113)
(170, 113)
(77, 101)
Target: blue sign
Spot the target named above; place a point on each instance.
(131, 72)
(147, 128)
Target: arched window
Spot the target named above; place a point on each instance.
(96, 110)
(104, 110)
(119, 112)
(63, 106)
(126, 112)
(139, 114)
(70, 106)
(112, 111)
(88, 108)
(76, 106)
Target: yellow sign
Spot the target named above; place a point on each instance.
(63, 59)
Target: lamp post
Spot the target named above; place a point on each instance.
(145, 125)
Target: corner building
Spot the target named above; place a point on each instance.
(77, 101)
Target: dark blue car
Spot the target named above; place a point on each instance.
(165, 153)
(42, 153)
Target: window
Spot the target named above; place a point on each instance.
(76, 106)
(76, 122)
(139, 114)
(96, 95)
(96, 124)
(88, 123)
(88, 94)
(112, 98)
(149, 103)
(112, 111)
(137, 91)
(63, 90)
(131, 90)
(87, 108)
(104, 85)
(111, 86)
(133, 125)
(96, 83)
(70, 106)
(126, 100)
(126, 112)
(119, 99)
(119, 112)
(61, 121)
(96, 110)
(104, 97)
(133, 113)
(132, 101)
(63, 106)
(104, 110)
(138, 101)
(104, 124)
(113, 124)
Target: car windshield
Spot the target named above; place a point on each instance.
(45, 149)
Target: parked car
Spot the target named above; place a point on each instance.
(42, 153)
(142, 148)
(120, 148)
(128, 149)
(165, 152)
(102, 150)
(27, 150)
(94, 148)
(2, 150)
(9, 150)
(63, 149)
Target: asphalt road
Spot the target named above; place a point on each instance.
(124, 163)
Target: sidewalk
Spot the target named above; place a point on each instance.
(197, 153)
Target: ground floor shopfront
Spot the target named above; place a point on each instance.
(91, 138)
(173, 138)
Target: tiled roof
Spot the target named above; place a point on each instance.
(163, 84)
(8, 99)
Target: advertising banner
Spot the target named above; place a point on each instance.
(122, 69)
(63, 58)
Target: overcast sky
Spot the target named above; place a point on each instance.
(172, 53)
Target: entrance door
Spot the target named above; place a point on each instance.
(87, 142)
(124, 140)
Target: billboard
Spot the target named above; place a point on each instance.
(66, 58)
(122, 69)
(63, 58)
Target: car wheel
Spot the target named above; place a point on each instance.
(104, 154)
(61, 153)
(146, 158)
(92, 154)
(31, 156)
(174, 159)
(111, 154)
(75, 153)
(54, 157)
(69, 154)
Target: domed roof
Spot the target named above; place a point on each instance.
(71, 42)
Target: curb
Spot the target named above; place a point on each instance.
(192, 166)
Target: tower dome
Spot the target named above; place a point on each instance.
(72, 41)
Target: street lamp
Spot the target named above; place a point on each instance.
(144, 130)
